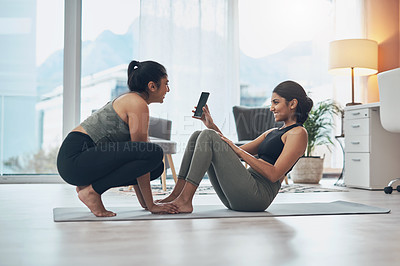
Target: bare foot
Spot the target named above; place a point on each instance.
(168, 199)
(79, 188)
(163, 208)
(175, 193)
(93, 201)
(184, 206)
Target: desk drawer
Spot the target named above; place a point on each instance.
(356, 127)
(356, 114)
(357, 143)
(357, 170)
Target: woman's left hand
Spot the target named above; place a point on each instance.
(235, 148)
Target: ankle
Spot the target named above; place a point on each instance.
(175, 194)
(185, 198)
(89, 189)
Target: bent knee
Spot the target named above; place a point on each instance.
(195, 135)
(157, 151)
(211, 133)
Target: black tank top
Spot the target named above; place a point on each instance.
(272, 146)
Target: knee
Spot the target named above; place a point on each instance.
(156, 173)
(209, 133)
(194, 136)
(157, 151)
(211, 138)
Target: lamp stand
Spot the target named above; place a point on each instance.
(352, 89)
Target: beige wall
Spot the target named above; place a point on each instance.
(383, 26)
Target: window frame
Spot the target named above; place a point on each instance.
(71, 87)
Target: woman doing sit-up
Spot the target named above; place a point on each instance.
(239, 188)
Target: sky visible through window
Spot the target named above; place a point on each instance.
(266, 27)
(101, 18)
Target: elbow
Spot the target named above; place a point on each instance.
(273, 175)
(275, 178)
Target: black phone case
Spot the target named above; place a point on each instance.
(202, 102)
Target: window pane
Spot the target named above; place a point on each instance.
(288, 40)
(284, 40)
(109, 43)
(31, 42)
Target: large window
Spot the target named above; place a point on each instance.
(200, 43)
(284, 40)
(31, 42)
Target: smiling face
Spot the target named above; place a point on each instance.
(158, 94)
(282, 109)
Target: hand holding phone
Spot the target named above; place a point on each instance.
(202, 102)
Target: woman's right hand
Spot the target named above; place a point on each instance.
(163, 208)
(205, 117)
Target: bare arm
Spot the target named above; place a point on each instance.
(140, 196)
(252, 146)
(295, 145)
(138, 121)
(145, 189)
(137, 113)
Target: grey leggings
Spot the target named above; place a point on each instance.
(238, 188)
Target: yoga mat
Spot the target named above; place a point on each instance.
(78, 214)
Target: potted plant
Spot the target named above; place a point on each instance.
(309, 168)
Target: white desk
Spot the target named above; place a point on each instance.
(372, 154)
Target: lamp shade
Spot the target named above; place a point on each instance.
(360, 54)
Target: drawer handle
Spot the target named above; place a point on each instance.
(356, 160)
(355, 126)
(357, 113)
(355, 142)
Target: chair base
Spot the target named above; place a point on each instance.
(389, 188)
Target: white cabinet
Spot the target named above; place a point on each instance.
(372, 154)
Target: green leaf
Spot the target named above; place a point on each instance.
(320, 124)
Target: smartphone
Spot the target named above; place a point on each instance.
(202, 102)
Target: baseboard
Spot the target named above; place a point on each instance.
(31, 179)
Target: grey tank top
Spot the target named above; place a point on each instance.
(105, 125)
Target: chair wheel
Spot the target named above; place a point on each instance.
(398, 188)
(388, 190)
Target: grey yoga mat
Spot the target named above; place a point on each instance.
(78, 214)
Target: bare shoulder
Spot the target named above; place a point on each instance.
(296, 134)
(298, 131)
(130, 102)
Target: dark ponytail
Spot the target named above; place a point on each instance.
(292, 90)
(141, 73)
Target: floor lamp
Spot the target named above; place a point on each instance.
(355, 57)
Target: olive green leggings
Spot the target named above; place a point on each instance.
(238, 188)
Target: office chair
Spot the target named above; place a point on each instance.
(389, 94)
(252, 121)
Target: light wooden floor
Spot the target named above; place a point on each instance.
(28, 235)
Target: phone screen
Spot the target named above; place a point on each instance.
(201, 103)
